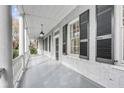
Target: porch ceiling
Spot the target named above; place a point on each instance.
(48, 15)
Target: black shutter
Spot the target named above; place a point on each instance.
(104, 33)
(104, 19)
(84, 33)
(104, 48)
(65, 39)
(49, 43)
(46, 44)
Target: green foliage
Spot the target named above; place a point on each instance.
(15, 53)
(33, 50)
(17, 47)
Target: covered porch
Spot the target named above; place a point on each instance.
(43, 72)
(69, 53)
(39, 70)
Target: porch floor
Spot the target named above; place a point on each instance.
(42, 72)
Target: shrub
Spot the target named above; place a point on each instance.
(15, 53)
(33, 50)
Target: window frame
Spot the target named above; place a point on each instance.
(122, 33)
(69, 33)
(88, 34)
(108, 36)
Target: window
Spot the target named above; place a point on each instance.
(46, 44)
(84, 34)
(65, 39)
(104, 33)
(49, 43)
(43, 45)
(75, 39)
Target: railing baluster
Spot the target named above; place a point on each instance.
(18, 68)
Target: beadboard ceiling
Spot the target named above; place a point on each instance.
(48, 15)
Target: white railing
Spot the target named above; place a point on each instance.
(19, 65)
(27, 56)
(2, 70)
(17, 69)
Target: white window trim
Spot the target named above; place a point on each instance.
(69, 40)
(53, 46)
(122, 29)
(50, 44)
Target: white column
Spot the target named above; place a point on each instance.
(21, 36)
(26, 41)
(38, 49)
(92, 34)
(117, 32)
(6, 46)
(22, 39)
(40, 46)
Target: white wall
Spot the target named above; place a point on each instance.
(104, 74)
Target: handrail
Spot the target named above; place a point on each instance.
(15, 60)
(19, 57)
(2, 70)
(19, 64)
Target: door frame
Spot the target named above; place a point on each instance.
(54, 44)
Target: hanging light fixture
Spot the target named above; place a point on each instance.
(41, 33)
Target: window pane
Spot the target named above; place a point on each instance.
(72, 50)
(84, 16)
(104, 27)
(104, 24)
(84, 25)
(75, 41)
(101, 8)
(72, 45)
(76, 50)
(64, 34)
(72, 42)
(71, 31)
(49, 43)
(43, 44)
(83, 31)
(46, 41)
(83, 49)
(64, 48)
(78, 28)
(104, 48)
(65, 39)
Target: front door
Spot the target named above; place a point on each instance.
(57, 48)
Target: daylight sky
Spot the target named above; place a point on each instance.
(14, 11)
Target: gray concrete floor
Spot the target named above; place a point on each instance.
(43, 72)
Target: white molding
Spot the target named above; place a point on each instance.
(73, 21)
